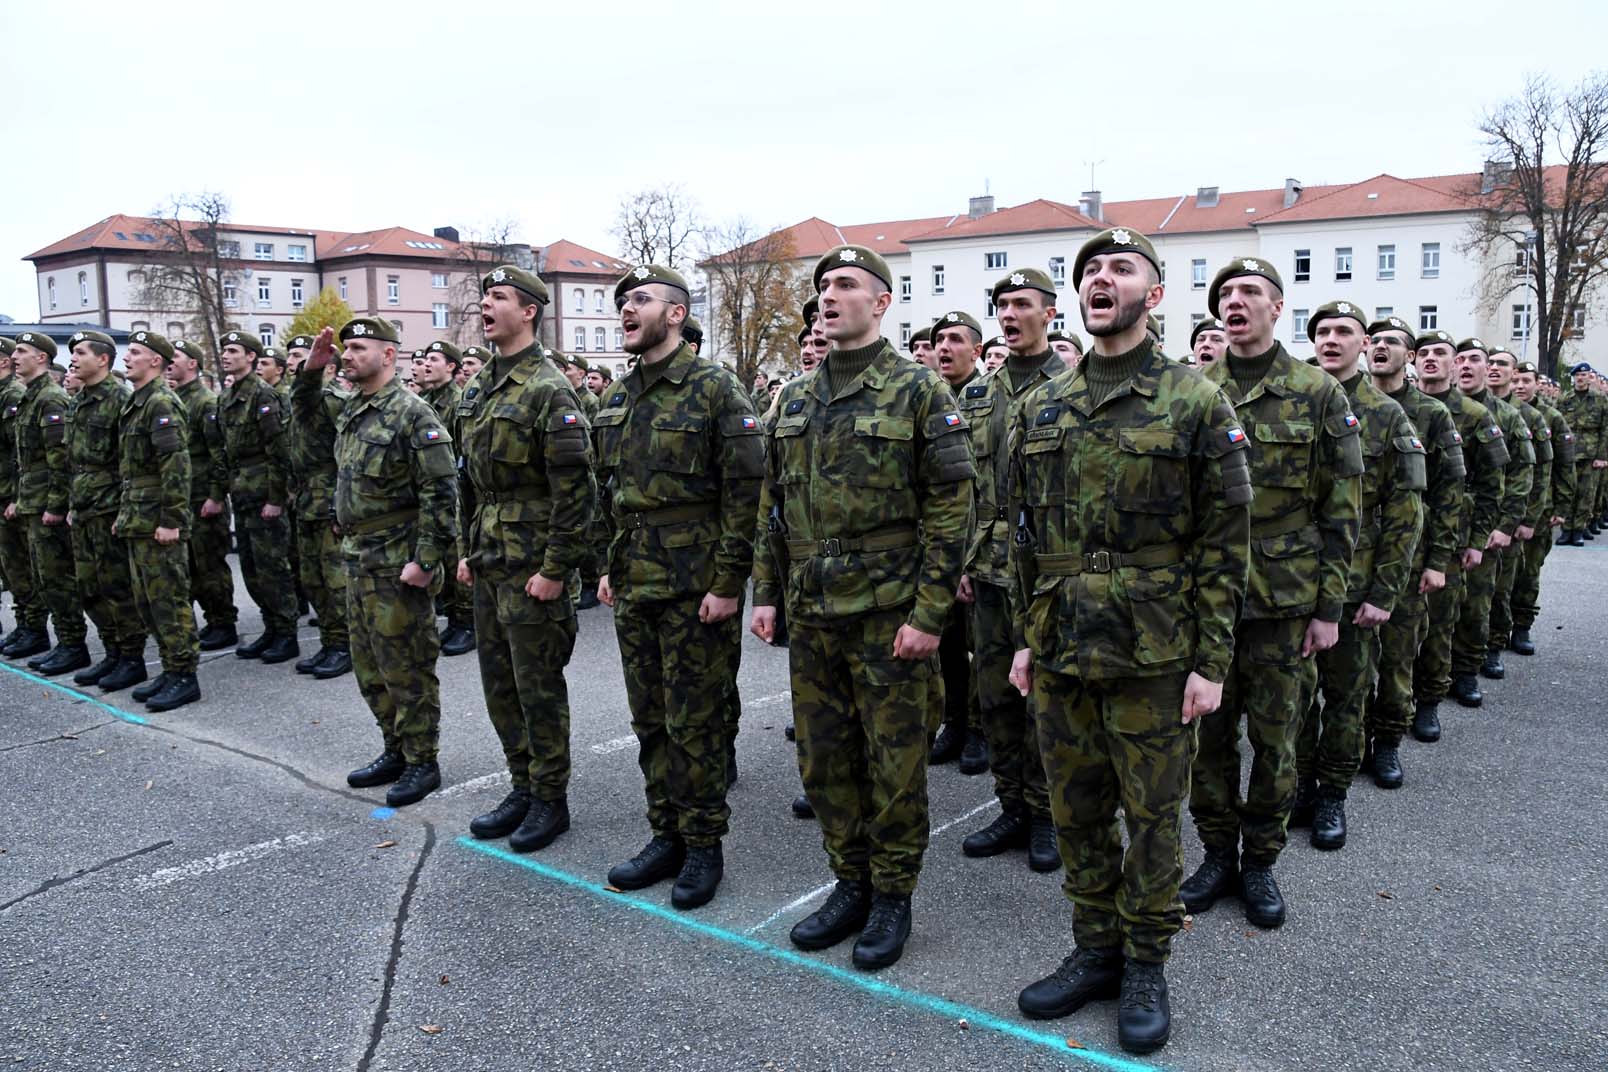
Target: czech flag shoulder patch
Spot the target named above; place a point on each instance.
(570, 418)
(1416, 442)
(1351, 420)
(432, 434)
(951, 419)
(1236, 435)
(265, 408)
(163, 422)
(749, 422)
(1457, 437)
(52, 418)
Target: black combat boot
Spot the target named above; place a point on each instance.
(802, 808)
(1492, 667)
(180, 689)
(337, 661)
(151, 688)
(1466, 690)
(545, 820)
(1426, 722)
(947, 746)
(1306, 799)
(1520, 643)
(504, 819)
(385, 769)
(731, 765)
(1087, 975)
(418, 781)
(27, 643)
(974, 756)
(1387, 766)
(1329, 820)
(1144, 1018)
(1264, 904)
(458, 640)
(64, 658)
(790, 733)
(281, 649)
(1043, 851)
(305, 666)
(255, 649)
(100, 669)
(700, 876)
(1216, 877)
(588, 598)
(887, 928)
(659, 859)
(128, 671)
(216, 637)
(843, 914)
(1008, 831)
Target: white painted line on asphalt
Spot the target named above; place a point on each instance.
(790, 907)
(984, 806)
(208, 865)
(763, 700)
(619, 744)
(473, 785)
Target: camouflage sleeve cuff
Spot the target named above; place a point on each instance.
(727, 585)
(925, 618)
(1438, 562)
(1328, 611)
(1214, 667)
(767, 595)
(1383, 598)
(427, 552)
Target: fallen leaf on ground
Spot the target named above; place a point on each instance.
(1074, 1043)
(149, 784)
(445, 980)
(431, 1029)
(964, 1026)
(612, 889)
(1385, 895)
(386, 845)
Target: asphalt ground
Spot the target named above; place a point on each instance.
(200, 890)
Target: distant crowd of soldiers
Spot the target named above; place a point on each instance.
(1080, 569)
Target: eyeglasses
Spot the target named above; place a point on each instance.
(637, 299)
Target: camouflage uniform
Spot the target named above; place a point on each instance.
(1479, 585)
(211, 580)
(15, 562)
(100, 560)
(1526, 597)
(457, 601)
(1306, 465)
(1588, 419)
(1332, 737)
(525, 495)
(1439, 544)
(254, 442)
(989, 406)
(1537, 515)
(1132, 562)
(680, 449)
(315, 407)
(154, 466)
(43, 476)
(853, 474)
(393, 503)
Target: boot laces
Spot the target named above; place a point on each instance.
(1141, 986)
(1259, 882)
(1080, 963)
(1329, 809)
(884, 918)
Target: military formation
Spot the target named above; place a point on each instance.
(1081, 567)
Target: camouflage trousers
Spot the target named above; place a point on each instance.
(1013, 741)
(1585, 500)
(863, 719)
(955, 668)
(1329, 746)
(1526, 597)
(680, 679)
(1391, 710)
(18, 569)
(1474, 615)
(293, 557)
(50, 551)
(211, 582)
(1501, 617)
(1110, 746)
(1267, 685)
(1432, 671)
(264, 546)
(105, 588)
(323, 579)
(394, 649)
(161, 576)
(523, 646)
(456, 602)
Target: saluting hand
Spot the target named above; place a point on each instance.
(322, 353)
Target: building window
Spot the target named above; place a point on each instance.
(83, 288)
(393, 290)
(1521, 321)
(263, 251)
(229, 249)
(904, 336)
(1058, 271)
(1303, 265)
(175, 331)
(905, 289)
(988, 303)
(1342, 264)
(342, 284)
(1383, 311)
(230, 295)
(994, 261)
(438, 280)
(1197, 274)
(265, 296)
(1195, 318)
(1429, 318)
(295, 253)
(1524, 260)
(597, 304)
(1577, 322)
(580, 340)
(438, 314)
(600, 339)
(50, 290)
(1299, 324)
(296, 293)
(1059, 323)
(619, 338)
(937, 279)
(1387, 262)
(265, 332)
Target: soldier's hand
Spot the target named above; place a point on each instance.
(1498, 539)
(11, 511)
(1525, 533)
(1201, 697)
(270, 511)
(465, 574)
(715, 608)
(1022, 670)
(1320, 636)
(1472, 556)
(605, 593)
(415, 575)
(323, 351)
(543, 589)
(1369, 616)
(763, 623)
(211, 508)
(1598, 463)
(1431, 581)
(52, 519)
(965, 593)
(912, 644)
(166, 536)
(1556, 521)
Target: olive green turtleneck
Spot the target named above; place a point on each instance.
(842, 366)
(1248, 371)
(1107, 374)
(1024, 367)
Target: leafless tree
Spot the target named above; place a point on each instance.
(479, 251)
(658, 226)
(753, 295)
(193, 270)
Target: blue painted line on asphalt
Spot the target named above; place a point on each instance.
(899, 995)
(132, 719)
(382, 813)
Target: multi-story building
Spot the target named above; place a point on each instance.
(582, 318)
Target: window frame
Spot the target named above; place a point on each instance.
(1297, 275)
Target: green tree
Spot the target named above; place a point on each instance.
(325, 311)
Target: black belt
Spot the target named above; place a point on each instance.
(888, 539)
(669, 515)
(1072, 564)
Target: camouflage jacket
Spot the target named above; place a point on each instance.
(590, 403)
(1131, 550)
(92, 420)
(10, 402)
(989, 404)
(1306, 468)
(1445, 508)
(252, 415)
(1485, 458)
(1587, 414)
(1519, 473)
(315, 407)
(526, 488)
(154, 462)
(1394, 477)
(1538, 511)
(680, 459)
(872, 488)
(393, 490)
(41, 431)
(209, 468)
(444, 400)
(1563, 457)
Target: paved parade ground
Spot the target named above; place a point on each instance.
(200, 890)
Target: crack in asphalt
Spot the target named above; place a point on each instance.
(382, 1014)
(304, 779)
(52, 883)
(68, 736)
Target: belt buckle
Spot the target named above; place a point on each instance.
(1002, 513)
(832, 548)
(1097, 562)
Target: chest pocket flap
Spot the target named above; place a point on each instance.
(677, 443)
(1283, 454)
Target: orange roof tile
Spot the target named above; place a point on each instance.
(121, 232)
(1040, 215)
(1382, 195)
(386, 242)
(572, 258)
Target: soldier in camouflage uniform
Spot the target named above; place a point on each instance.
(316, 401)
(153, 512)
(1502, 368)
(1526, 592)
(1583, 409)
(436, 374)
(41, 502)
(680, 450)
(1481, 579)
(252, 415)
(526, 492)
(1208, 342)
(394, 507)
(1390, 343)
(29, 637)
(1329, 748)
(211, 580)
(921, 348)
(870, 469)
(1306, 469)
(1129, 488)
(272, 368)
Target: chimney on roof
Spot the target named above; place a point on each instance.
(980, 206)
(448, 233)
(1089, 204)
(1496, 173)
(1206, 197)
(1292, 191)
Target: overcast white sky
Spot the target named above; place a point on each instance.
(354, 116)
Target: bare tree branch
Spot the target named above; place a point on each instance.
(753, 292)
(479, 251)
(192, 269)
(658, 226)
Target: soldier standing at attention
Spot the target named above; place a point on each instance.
(525, 496)
(575, 370)
(921, 348)
(252, 415)
(871, 473)
(153, 512)
(316, 401)
(41, 501)
(1129, 482)
(1332, 732)
(1582, 408)
(474, 359)
(1306, 474)
(29, 637)
(211, 581)
(1390, 349)
(1208, 341)
(680, 449)
(1067, 346)
(1024, 303)
(995, 353)
(435, 375)
(1501, 372)
(1526, 593)
(393, 503)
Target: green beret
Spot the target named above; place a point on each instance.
(1024, 279)
(1067, 336)
(853, 257)
(39, 341)
(1242, 266)
(153, 342)
(518, 278)
(446, 349)
(188, 349)
(579, 362)
(243, 339)
(417, 355)
(7, 344)
(369, 327)
(949, 320)
(299, 342)
(1502, 350)
(803, 334)
(91, 336)
(643, 274)
(1114, 240)
(812, 309)
(920, 335)
(479, 353)
(1525, 366)
(1153, 325)
(1429, 338)
(275, 356)
(1211, 323)
(1391, 323)
(1332, 309)
(1473, 344)
(691, 324)
(997, 340)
